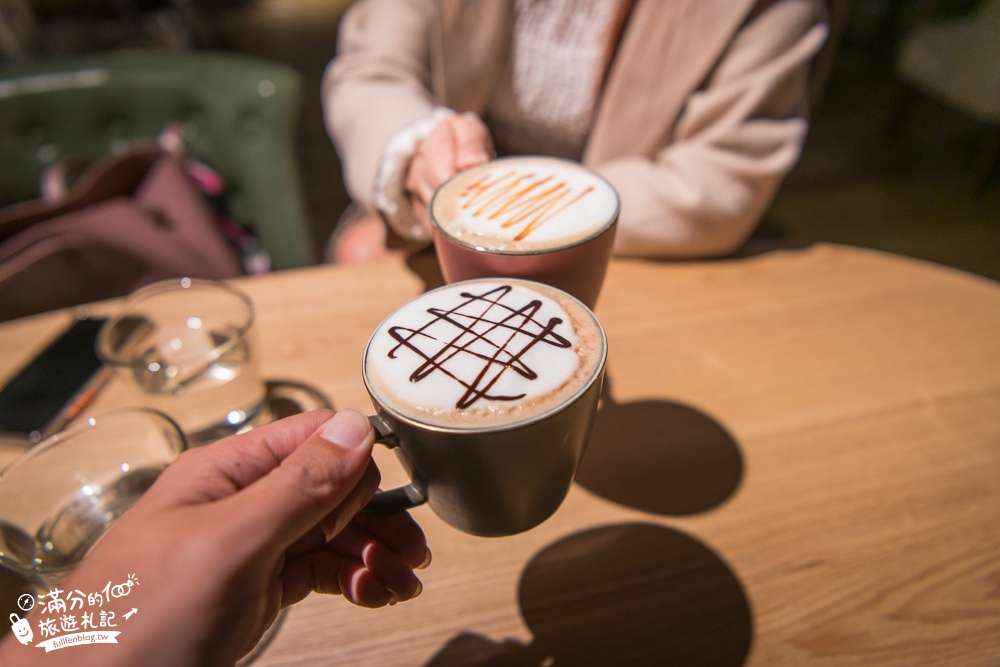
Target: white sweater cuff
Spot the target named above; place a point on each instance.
(390, 195)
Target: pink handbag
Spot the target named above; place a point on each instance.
(129, 220)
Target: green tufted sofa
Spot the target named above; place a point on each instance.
(238, 115)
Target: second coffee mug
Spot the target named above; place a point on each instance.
(538, 218)
(487, 389)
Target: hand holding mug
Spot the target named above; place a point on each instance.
(234, 531)
(456, 143)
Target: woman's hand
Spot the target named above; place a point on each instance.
(458, 142)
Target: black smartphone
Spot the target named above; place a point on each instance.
(55, 386)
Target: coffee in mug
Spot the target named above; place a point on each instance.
(489, 389)
(541, 218)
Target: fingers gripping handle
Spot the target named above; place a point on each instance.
(395, 500)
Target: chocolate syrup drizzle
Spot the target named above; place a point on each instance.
(508, 332)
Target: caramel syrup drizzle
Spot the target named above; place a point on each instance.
(516, 199)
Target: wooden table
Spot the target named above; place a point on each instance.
(797, 462)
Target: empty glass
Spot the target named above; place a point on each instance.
(58, 498)
(188, 347)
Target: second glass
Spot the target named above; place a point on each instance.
(60, 497)
(189, 347)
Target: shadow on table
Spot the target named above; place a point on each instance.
(626, 594)
(424, 265)
(660, 457)
(286, 398)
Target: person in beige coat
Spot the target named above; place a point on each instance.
(694, 110)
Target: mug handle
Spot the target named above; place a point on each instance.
(394, 500)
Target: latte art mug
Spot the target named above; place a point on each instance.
(540, 218)
(487, 390)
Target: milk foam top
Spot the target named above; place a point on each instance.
(484, 353)
(524, 204)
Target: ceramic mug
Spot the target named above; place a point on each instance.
(487, 391)
(539, 218)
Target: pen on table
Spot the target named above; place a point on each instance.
(76, 405)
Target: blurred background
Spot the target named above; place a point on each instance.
(903, 155)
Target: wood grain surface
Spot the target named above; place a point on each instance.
(796, 462)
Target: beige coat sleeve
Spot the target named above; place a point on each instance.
(378, 84)
(737, 135)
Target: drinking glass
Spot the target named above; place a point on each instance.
(188, 346)
(58, 498)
